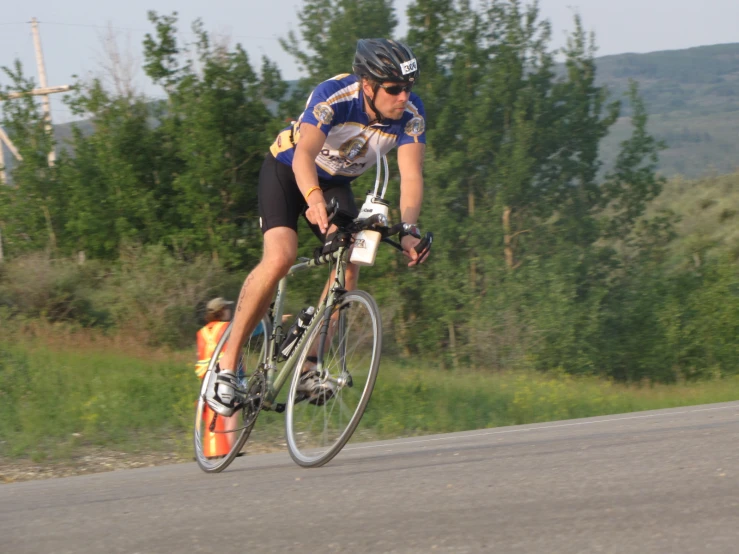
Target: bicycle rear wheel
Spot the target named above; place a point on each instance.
(318, 429)
(218, 440)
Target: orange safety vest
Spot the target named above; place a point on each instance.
(214, 444)
(207, 339)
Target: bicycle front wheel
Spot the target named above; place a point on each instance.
(318, 428)
(218, 440)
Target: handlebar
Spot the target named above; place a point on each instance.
(378, 222)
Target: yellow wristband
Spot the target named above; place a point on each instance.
(310, 190)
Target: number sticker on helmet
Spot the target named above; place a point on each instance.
(409, 67)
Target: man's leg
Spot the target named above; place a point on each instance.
(280, 251)
(311, 385)
(352, 276)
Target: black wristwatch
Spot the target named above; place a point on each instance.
(410, 229)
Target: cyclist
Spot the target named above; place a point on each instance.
(346, 121)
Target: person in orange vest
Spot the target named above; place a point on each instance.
(218, 313)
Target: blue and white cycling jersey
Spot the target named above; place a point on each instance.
(336, 107)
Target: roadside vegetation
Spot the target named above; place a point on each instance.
(63, 392)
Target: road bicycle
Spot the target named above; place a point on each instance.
(342, 342)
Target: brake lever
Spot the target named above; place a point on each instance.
(423, 247)
(332, 209)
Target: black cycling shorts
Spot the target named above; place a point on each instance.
(281, 202)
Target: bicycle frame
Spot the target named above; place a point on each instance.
(276, 379)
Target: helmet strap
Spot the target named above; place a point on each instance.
(371, 101)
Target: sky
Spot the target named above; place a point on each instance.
(72, 32)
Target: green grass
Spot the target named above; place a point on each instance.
(55, 401)
(421, 401)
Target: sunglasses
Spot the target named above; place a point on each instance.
(394, 90)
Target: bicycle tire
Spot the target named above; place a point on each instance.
(316, 433)
(252, 358)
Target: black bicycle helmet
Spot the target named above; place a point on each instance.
(381, 60)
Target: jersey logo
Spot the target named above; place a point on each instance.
(409, 67)
(354, 148)
(415, 126)
(323, 113)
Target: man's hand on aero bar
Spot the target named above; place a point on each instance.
(317, 211)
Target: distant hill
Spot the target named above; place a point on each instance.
(692, 97)
(700, 80)
(709, 214)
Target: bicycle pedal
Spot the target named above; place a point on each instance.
(279, 407)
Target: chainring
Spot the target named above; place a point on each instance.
(254, 398)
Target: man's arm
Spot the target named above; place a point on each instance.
(410, 165)
(311, 141)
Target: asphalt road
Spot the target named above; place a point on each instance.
(665, 481)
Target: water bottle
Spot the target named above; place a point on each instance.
(296, 330)
(367, 241)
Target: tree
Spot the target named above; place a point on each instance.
(114, 177)
(31, 209)
(516, 142)
(216, 127)
(328, 38)
(330, 30)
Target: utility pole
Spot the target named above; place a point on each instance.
(2, 158)
(46, 105)
(5, 139)
(44, 92)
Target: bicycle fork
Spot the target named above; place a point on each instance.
(337, 318)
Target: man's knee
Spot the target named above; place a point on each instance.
(277, 260)
(280, 251)
(277, 264)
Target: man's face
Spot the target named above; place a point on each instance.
(390, 105)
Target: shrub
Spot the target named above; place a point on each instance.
(149, 293)
(156, 296)
(39, 285)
